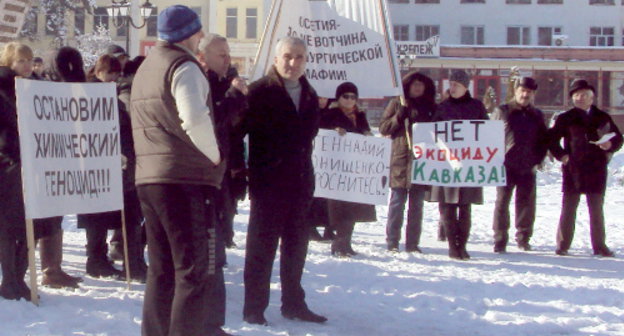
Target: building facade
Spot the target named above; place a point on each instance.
(241, 21)
(555, 41)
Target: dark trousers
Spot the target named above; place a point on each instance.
(457, 222)
(524, 184)
(270, 220)
(413, 229)
(226, 210)
(97, 225)
(565, 233)
(185, 292)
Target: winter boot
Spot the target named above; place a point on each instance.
(349, 234)
(21, 266)
(8, 255)
(441, 231)
(451, 237)
(136, 259)
(51, 253)
(116, 246)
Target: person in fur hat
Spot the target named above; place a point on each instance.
(585, 159)
(396, 122)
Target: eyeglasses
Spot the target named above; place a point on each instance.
(349, 96)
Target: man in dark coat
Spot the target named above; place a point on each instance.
(282, 122)
(396, 122)
(228, 98)
(590, 138)
(526, 144)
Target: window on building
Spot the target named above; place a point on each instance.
(472, 1)
(427, 1)
(548, 2)
(122, 30)
(545, 35)
(398, 1)
(252, 23)
(601, 36)
(100, 18)
(231, 22)
(152, 23)
(424, 32)
(31, 25)
(79, 21)
(401, 32)
(518, 35)
(472, 35)
(518, 2)
(602, 2)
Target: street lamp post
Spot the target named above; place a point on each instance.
(121, 14)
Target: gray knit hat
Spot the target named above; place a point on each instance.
(461, 77)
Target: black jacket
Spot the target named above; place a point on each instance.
(464, 108)
(586, 172)
(526, 136)
(280, 139)
(12, 215)
(341, 211)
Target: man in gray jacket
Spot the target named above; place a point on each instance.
(179, 168)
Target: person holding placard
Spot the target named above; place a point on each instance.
(345, 117)
(396, 122)
(282, 122)
(590, 137)
(48, 231)
(526, 144)
(106, 70)
(455, 202)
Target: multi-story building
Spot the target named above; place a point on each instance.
(554, 41)
(241, 21)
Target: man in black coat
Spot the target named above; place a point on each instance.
(228, 92)
(526, 144)
(590, 138)
(282, 122)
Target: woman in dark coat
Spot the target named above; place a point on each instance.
(455, 202)
(346, 117)
(396, 122)
(13, 247)
(108, 69)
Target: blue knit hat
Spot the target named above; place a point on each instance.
(177, 23)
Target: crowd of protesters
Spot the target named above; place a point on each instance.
(184, 113)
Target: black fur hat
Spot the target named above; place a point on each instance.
(65, 65)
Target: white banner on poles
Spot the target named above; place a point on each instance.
(348, 40)
(459, 153)
(70, 147)
(351, 167)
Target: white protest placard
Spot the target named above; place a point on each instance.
(351, 167)
(70, 147)
(459, 153)
(347, 40)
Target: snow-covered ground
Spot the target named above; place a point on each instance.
(386, 294)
